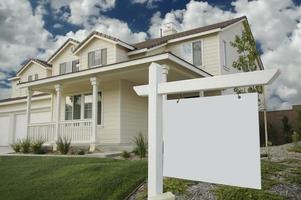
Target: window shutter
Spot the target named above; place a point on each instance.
(75, 66)
(187, 52)
(197, 53)
(91, 59)
(62, 68)
(103, 56)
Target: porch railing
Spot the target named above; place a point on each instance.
(79, 131)
(42, 131)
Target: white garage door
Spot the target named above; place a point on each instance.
(20, 129)
(4, 130)
(36, 117)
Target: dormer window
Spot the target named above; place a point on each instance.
(97, 58)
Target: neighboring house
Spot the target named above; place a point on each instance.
(84, 91)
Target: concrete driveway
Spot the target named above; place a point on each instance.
(5, 150)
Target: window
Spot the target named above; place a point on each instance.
(73, 107)
(30, 78)
(98, 57)
(192, 52)
(225, 53)
(68, 67)
(88, 107)
(74, 104)
(36, 76)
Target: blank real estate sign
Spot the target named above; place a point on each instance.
(213, 139)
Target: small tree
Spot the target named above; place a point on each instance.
(247, 60)
(287, 129)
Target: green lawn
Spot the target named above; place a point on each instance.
(68, 178)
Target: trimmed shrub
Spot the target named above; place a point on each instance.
(25, 145)
(37, 147)
(141, 146)
(81, 152)
(63, 145)
(16, 146)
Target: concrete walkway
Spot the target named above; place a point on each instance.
(5, 150)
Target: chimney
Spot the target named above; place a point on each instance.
(168, 29)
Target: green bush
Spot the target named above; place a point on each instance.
(295, 138)
(37, 147)
(141, 145)
(25, 145)
(16, 146)
(176, 186)
(63, 145)
(126, 154)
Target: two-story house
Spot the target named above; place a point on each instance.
(84, 91)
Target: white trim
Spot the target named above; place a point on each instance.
(137, 51)
(244, 79)
(24, 100)
(121, 65)
(194, 35)
(105, 39)
(147, 49)
(31, 61)
(14, 78)
(60, 51)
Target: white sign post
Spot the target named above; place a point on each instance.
(158, 88)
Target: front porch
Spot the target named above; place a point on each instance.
(98, 107)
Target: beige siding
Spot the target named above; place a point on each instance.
(121, 54)
(110, 129)
(133, 113)
(33, 69)
(65, 56)
(96, 44)
(16, 91)
(21, 107)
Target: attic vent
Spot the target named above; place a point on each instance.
(72, 49)
(168, 29)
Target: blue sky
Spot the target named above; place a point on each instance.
(36, 28)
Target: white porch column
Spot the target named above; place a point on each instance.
(28, 110)
(155, 135)
(94, 83)
(58, 90)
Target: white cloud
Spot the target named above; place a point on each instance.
(276, 26)
(81, 10)
(149, 3)
(19, 39)
(57, 25)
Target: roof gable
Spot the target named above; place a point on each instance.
(61, 48)
(38, 62)
(102, 36)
